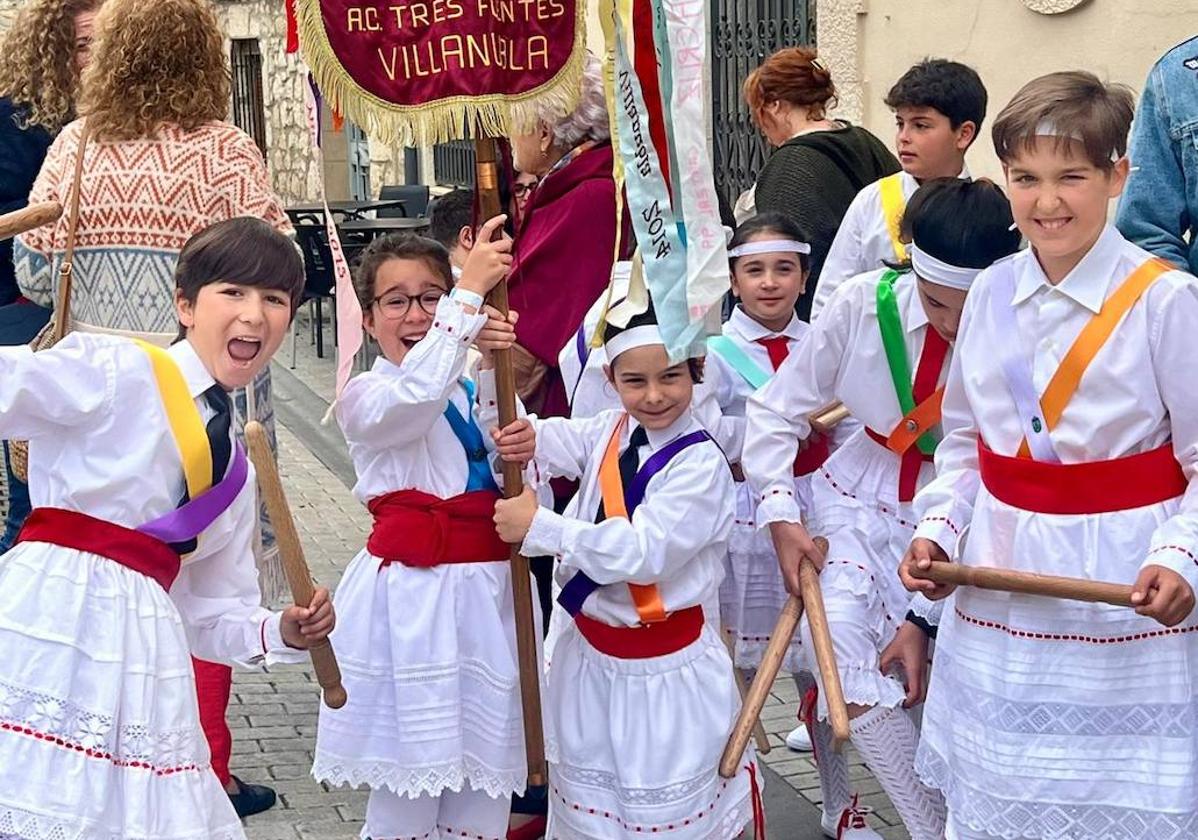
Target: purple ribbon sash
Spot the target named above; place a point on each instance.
(189, 521)
(580, 587)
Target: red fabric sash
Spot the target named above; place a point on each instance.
(646, 641)
(909, 468)
(131, 549)
(1093, 487)
(813, 457)
(423, 530)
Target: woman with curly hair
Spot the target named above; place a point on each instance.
(160, 164)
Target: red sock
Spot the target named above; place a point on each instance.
(214, 683)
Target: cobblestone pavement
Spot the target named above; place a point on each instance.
(273, 716)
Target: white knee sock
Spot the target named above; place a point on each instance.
(833, 766)
(886, 739)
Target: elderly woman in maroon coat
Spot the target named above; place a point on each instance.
(566, 240)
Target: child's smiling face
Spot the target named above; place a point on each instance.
(407, 292)
(235, 329)
(654, 391)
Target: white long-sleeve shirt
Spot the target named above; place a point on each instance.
(100, 444)
(1137, 394)
(841, 358)
(393, 416)
(676, 539)
(862, 241)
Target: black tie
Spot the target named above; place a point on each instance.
(220, 445)
(629, 462)
(218, 430)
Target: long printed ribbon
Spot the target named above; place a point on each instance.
(349, 312)
(891, 326)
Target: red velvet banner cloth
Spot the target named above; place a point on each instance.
(413, 52)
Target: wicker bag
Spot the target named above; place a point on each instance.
(53, 332)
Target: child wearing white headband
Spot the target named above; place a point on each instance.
(770, 264)
(882, 347)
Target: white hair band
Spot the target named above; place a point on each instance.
(770, 246)
(643, 335)
(1047, 128)
(939, 272)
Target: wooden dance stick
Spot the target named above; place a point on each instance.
(28, 218)
(824, 420)
(771, 663)
(487, 185)
(328, 674)
(760, 739)
(1028, 583)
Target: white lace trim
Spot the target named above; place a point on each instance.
(26, 825)
(1011, 819)
(632, 796)
(67, 725)
(415, 781)
(730, 825)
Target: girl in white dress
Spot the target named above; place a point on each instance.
(640, 697)
(427, 648)
(876, 330)
(107, 594)
(769, 263)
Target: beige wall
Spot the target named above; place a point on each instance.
(869, 43)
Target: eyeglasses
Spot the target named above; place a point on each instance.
(521, 189)
(396, 306)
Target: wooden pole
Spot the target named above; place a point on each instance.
(28, 218)
(771, 664)
(1028, 583)
(824, 420)
(487, 179)
(760, 739)
(291, 553)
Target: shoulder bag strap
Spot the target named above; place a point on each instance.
(62, 306)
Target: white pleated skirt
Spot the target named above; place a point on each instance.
(634, 744)
(99, 726)
(1058, 719)
(428, 660)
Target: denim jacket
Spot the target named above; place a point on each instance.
(1160, 204)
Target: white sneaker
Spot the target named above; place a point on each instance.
(799, 739)
(850, 825)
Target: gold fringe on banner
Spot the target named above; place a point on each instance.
(452, 118)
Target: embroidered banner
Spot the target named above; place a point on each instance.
(425, 71)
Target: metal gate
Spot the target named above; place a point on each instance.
(249, 113)
(743, 34)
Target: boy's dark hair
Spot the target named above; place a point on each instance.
(1075, 102)
(246, 251)
(961, 222)
(771, 222)
(399, 246)
(950, 87)
(449, 214)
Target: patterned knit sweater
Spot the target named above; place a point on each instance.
(141, 200)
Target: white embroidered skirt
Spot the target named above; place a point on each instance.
(752, 593)
(99, 729)
(855, 499)
(428, 659)
(1057, 719)
(634, 744)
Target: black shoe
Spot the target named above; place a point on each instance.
(251, 799)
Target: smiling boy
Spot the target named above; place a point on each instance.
(1072, 443)
(939, 107)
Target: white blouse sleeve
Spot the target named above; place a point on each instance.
(945, 505)
(395, 407)
(43, 393)
(1175, 541)
(711, 396)
(844, 256)
(218, 597)
(687, 507)
(777, 412)
(565, 446)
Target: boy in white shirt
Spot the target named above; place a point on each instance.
(1072, 442)
(938, 109)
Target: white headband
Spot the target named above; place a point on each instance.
(1047, 128)
(639, 336)
(939, 272)
(770, 246)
